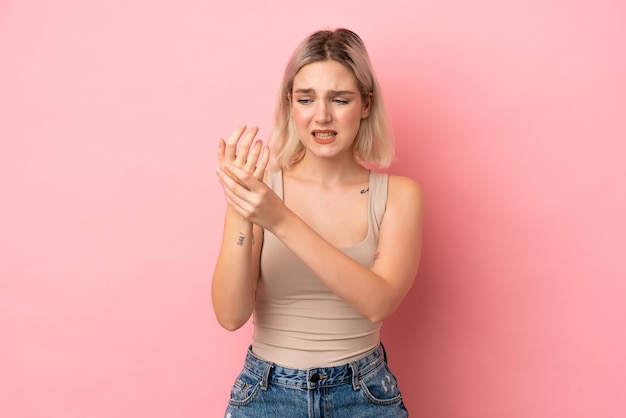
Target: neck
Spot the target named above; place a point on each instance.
(329, 171)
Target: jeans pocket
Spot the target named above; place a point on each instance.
(245, 389)
(380, 386)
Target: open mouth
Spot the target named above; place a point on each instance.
(324, 137)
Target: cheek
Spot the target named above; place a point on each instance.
(351, 117)
(299, 117)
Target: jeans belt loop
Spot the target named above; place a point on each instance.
(384, 353)
(266, 375)
(355, 376)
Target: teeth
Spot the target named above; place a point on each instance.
(324, 135)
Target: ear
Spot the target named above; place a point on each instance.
(367, 105)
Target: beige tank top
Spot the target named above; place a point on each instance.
(298, 321)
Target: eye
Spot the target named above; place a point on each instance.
(305, 101)
(341, 101)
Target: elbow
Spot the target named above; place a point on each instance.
(230, 324)
(231, 316)
(381, 312)
(378, 316)
(230, 320)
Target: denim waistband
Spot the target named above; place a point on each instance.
(318, 376)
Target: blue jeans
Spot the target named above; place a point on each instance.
(361, 389)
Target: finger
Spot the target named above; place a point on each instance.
(221, 148)
(243, 177)
(231, 143)
(235, 194)
(230, 198)
(234, 177)
(262, 164)
(244, 146)
(253, 157)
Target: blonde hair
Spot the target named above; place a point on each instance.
(374, 142)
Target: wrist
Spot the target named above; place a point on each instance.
(284, 225)
(233, 216)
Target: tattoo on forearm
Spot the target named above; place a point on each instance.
(242, 238)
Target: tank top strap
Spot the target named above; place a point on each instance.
(378, 184)
(274, 181)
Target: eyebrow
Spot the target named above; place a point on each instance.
(331, 92)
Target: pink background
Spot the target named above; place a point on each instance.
(510, 114)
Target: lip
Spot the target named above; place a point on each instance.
(327, 136)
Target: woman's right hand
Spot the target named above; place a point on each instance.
(246, 153)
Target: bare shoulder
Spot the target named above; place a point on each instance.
(404, 211)
(400, 238)
(403, 191)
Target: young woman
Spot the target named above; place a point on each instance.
(321, 249)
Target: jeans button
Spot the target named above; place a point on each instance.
(315, 377)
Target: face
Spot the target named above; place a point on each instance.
(327, 108)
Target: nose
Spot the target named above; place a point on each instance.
(322, 113)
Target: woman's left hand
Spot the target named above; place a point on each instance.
(245, 152)
(250, 197)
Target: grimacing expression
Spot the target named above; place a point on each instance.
(327, 108)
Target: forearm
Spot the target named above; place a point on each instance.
(374, 291)
(366, 292)
(236, 273)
